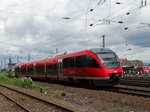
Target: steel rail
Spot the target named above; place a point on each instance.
(136, 78)
(48, 102)
(133, 80)
(132, 91)
(14, 101)
(142, 83)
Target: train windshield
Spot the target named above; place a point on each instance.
(108, 58)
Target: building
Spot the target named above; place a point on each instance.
(126, 62)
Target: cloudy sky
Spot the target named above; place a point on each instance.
(39, 27)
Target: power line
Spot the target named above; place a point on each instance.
(122, 8)
(63, 36)
(109, 10)
(126, 13)
(66, 36)
(87, 13)
(98, 4)
(91, 9)
(32, 14)
(81, 30)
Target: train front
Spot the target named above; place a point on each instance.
(111, 69)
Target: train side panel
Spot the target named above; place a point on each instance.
(52, 68)
(83, 65)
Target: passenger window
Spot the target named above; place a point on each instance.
(80, 61)
(71, 62)
(51, 69)
(92, 62)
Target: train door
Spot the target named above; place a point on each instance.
(45, 72)
(18, 74)
(60, 69)
(34, 70)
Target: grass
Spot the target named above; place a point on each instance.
(136, 75)
(10, 74)
(23, 82)
(64, 93)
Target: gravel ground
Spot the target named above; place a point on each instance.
(94, 100)
(97, 100)
(36, 105)
(33, 104)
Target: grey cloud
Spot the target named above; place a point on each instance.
(22, 27)
(50, 31)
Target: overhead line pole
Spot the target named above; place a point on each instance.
(29, 56)
(103, 44)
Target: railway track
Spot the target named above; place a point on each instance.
(32, 103)
(130, 91)
(135, 82)
(9, 98)
(123, 90)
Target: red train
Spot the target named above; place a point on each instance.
(143, 69)
(101, 66)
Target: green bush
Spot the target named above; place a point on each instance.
(64, 93)
(44, 90)
(10, 74)
(24, 82)
(4, 78)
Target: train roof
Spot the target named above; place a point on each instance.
(65, 55)
(71, 54)
(95, 50)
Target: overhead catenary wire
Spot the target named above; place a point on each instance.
(66, 36)
(126, 13)
(63, 37)
(98, 4)
(110, 17)
(31, 14)
(90, 40)
(109, 10)
(91, 9)
(131, 28)
(63, 17)
(130, 3)
(87, 13)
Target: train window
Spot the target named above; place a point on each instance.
(23, 70)
(51, 69)
(69, 62)
(92, 62)
(17, 68)
(83, 61)
(108, 57)
(39, 69)
(80, 61)
(30, 70)
(65, 62)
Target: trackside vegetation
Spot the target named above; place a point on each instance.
(23, 82)
(26, 83)
(145, 76)
(64, 93)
